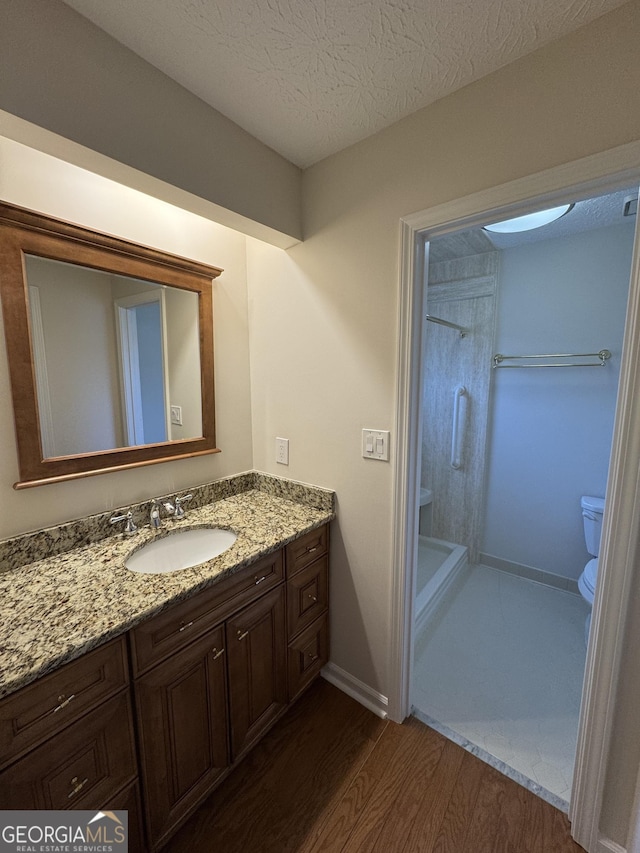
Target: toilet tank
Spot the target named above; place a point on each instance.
(592, 510)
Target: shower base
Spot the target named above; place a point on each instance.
(439, 564)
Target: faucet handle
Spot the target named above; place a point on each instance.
(179, 509)
(155, 520)
(130, 526)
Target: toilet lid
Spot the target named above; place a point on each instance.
(590, 574)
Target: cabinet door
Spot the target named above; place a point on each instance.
(182, 719)
(256, 641)
(129, 800)
(82, 765)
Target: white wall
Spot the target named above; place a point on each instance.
(551, 429)
(40, 182)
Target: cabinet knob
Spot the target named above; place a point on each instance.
(313, 597)
(63, 701)
(76, 786)
(217, 653)
(312, 657)
(242, 634)
(259, 580)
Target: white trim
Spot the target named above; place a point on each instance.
(606, 845)
(620, 529)
(408, 432)
(603, 172)
(358, 690)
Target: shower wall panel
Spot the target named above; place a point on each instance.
(451, 360)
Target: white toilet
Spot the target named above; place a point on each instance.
(592, 511)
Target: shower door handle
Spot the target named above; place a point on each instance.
(457, 430)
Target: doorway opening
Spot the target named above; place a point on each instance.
(594, 175)
(514, 438)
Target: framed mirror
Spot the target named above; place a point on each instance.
(110, 350)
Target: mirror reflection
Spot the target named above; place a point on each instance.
(116, 359)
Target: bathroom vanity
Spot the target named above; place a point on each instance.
(146, 690)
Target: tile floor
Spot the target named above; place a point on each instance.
(499, 668)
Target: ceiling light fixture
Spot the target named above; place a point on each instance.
(529, 221)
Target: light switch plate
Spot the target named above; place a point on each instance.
(375, 444)
(176, 415)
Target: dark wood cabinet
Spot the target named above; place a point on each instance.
(182, 723)
(307, 572)
(175, 628)
(206, 702)
(210, 675)
(42, 709)
(307, 654)
(80, 767)
(256, 642)
(128, 799)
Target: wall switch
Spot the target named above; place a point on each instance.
(375, 444)
(282, 451)
(176, 415)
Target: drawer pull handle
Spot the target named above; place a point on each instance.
(313, 597)
(259, 580)
(242, 634)
(313, 658)
(77, 786)
(217, 653)
(184, 627)
(64, 701)
(311, 550)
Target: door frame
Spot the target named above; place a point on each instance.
(127, 338)
(615, 169)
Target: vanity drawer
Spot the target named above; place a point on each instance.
(161, 636)
(40, 710)
(82, 766)
(306, 549)
(308, 653)
(307, 595)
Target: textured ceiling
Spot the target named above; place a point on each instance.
(587, 215)
(309, 77)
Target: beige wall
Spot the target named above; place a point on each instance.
(35, 180)
(63, 73)
(80, 354)
(183, 353)
(324, 316)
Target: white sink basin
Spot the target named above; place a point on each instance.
(181, 550)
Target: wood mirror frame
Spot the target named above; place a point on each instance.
(24, 232)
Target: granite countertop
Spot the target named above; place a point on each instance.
(55, 609)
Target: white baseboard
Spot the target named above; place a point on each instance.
(357, 689)
(606, 845)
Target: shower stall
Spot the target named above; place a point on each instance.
(459, 334)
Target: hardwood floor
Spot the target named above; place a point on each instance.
(331, 777)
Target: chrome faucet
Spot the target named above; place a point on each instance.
(176, 509)
(130, 526)
(155, 521)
